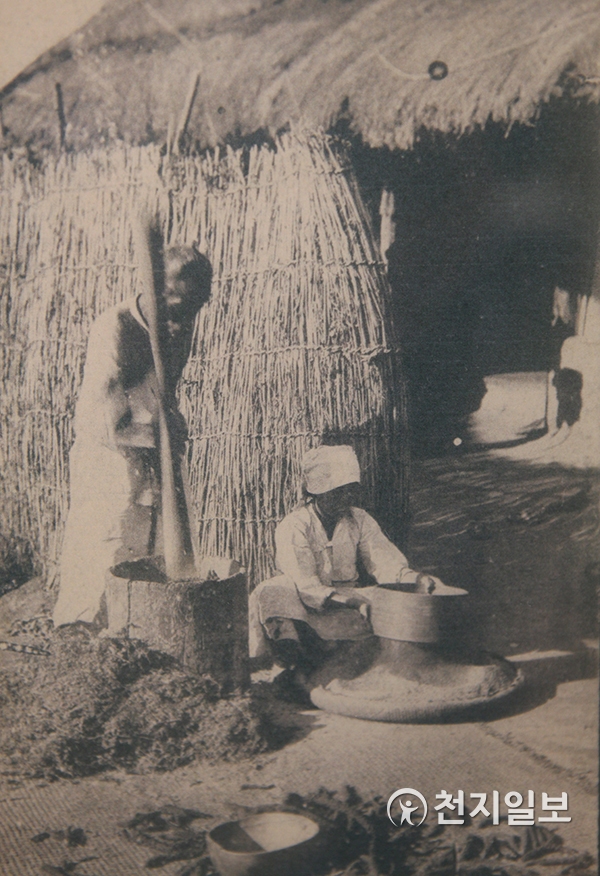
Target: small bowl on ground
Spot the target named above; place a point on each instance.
(266, 844)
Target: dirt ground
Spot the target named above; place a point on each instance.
(524, 541)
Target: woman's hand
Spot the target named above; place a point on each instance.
(352, 600)
(427, 583)
(129, 434)
(418, 582)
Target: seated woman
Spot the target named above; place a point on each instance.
(321, 547)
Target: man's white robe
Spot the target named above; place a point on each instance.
(114, 468)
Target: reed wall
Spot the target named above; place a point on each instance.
(294, 348)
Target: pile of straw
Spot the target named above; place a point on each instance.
(293, 349)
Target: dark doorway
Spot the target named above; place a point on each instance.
(487, 226)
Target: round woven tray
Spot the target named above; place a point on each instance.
(408, 683)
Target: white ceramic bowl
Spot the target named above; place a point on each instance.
(267, 844)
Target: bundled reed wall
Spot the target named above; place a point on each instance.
(293, 349)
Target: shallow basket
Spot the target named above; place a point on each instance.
(412, 617)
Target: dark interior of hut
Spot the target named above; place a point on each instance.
(486, 226)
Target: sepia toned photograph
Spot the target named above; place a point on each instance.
(299, 437)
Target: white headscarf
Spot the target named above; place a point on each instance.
(327, 467)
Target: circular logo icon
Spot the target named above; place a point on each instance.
(409, 801)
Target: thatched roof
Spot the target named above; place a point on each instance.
(265, 64)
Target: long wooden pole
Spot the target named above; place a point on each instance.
(179, 558)
(62, 119)
(187, 111)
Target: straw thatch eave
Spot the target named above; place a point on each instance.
(266, 64)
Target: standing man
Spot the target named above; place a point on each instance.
(114, 512)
